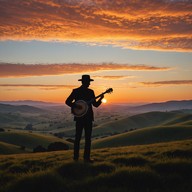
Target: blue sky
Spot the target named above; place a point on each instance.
(73, 52)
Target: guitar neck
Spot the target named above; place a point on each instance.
(99, 95)
(96, 97)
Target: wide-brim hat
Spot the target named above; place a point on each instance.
(85, 78)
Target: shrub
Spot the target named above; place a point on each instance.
(22, 147)
(29, 127)
(57, 146)
(39, 148)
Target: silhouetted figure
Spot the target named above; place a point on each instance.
(81, 100)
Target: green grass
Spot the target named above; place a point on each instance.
(29, 140)
(146, 136)
(180, 119)
(148, 168)
(20, 120)
(6, 148)
(6, 108)
(140, 121)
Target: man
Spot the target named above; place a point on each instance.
(85, 121)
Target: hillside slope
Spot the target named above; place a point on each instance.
(146, 136)
(6, 148)
(29, 140)
(17, 120)
(6, 108)
(148, 168)
(163, 106)
(141, 121)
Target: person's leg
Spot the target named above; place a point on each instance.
(88, 132)
(78, 134)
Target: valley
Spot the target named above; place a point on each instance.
(26, 127)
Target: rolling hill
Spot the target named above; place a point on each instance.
(18, 116)
(6, 148)
(31, 103)
(147, 136)
(6, 108)
(14, 118)
(141, 121)
(28, 140)
(163, 106)
(135, 122)
(158, 167)
(20, 120)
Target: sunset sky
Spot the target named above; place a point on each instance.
(140, 48)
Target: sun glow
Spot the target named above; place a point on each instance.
(104, 100)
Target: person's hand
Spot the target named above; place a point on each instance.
(102, 96)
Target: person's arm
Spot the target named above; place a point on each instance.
(98, 102)
(70, 99)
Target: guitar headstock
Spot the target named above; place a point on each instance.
(110, 90)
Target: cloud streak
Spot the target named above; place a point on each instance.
(113, 77)
(39, 86)
(47, 87)
(162, 24)
(24, 70)
(166, 83)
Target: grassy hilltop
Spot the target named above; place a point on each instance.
(146, 128)
(148, 168)
(147, 135)
(6, 148)
(139, 152)
(14, 140)
(139, 121)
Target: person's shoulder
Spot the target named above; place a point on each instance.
(76, 89)
(91, 91)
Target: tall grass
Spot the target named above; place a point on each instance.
(163, 167)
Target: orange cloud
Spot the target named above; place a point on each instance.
(162, 25)
(23, 70)
(166, 83)
(40, 86)
(113, 77)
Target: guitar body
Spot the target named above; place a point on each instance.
(80, 109)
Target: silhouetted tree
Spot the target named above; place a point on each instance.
(56, 146)
(2, 130)
(29, 126)
(22, 147)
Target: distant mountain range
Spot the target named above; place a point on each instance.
(164, 106)
(31, 103)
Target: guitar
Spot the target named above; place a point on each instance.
(81, 107)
